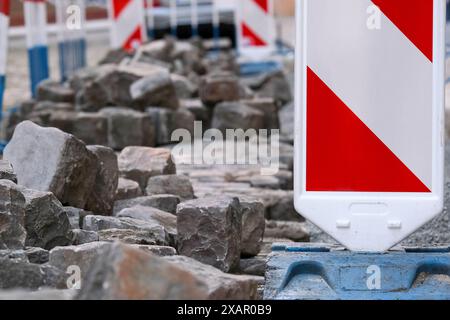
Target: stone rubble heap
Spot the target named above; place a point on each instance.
(88, 182)
(92, 194)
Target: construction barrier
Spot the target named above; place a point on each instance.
(256, 28)
(70, 18)
(216, 22)
(149, 5)
(194, 18)
(174, 17)
(35, 13)
(127, 18)
(4, 25)
(370, 116)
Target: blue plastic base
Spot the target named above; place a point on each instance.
(72, 57)
(255, 68)
(38, 64)
(322, 272)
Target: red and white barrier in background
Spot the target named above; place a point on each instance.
(70, 17)
(4, 25)
(128, 29)
(256, 27)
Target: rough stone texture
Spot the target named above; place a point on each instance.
(265, 182)
(164, 202)
(286, 115)
(91, 95)
(155, 216)
(19, 274)
(160, 235)
(127, 189)
(8, 124)
(170, 184)
(187, 57)
(101, 199)
(155, 90)
(61, 164)
(49, 90)
(268, 107)
(128, 127)
(284, 210)
(184, 88)
(209, 230)
(117, 82)
(272, 85)
(76, 216)
(167, 121)
(285, 179)
(135, 275)
(115, 56)
(160, 251)
(12, 216)
(141, 163)
(37, 255)
(14, 254)
(218, 87)
(84, 236)
(140, 237)
(159, 50)
(53, 106)
(253, 266)
(253, 225)
(223, 61)
(294, 231)
(221, 286)
(46, 221)
(235, 115)
(82, 256)
(200, 112)
(91, 128)
(7, 171)
(12, 117)
(316, 235)
(60, 119)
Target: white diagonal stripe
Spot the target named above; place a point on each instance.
(128, 20)
(259, 21)
(379, 74)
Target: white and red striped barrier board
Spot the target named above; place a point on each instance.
(369, 117)
(256, 27)
(128, 29)
(4, 25)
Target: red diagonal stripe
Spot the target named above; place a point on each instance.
(343, 154)
(414, 18)
(263, 4)
(252, 38)
(119, 6)
(134, 40)
(4, 7)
